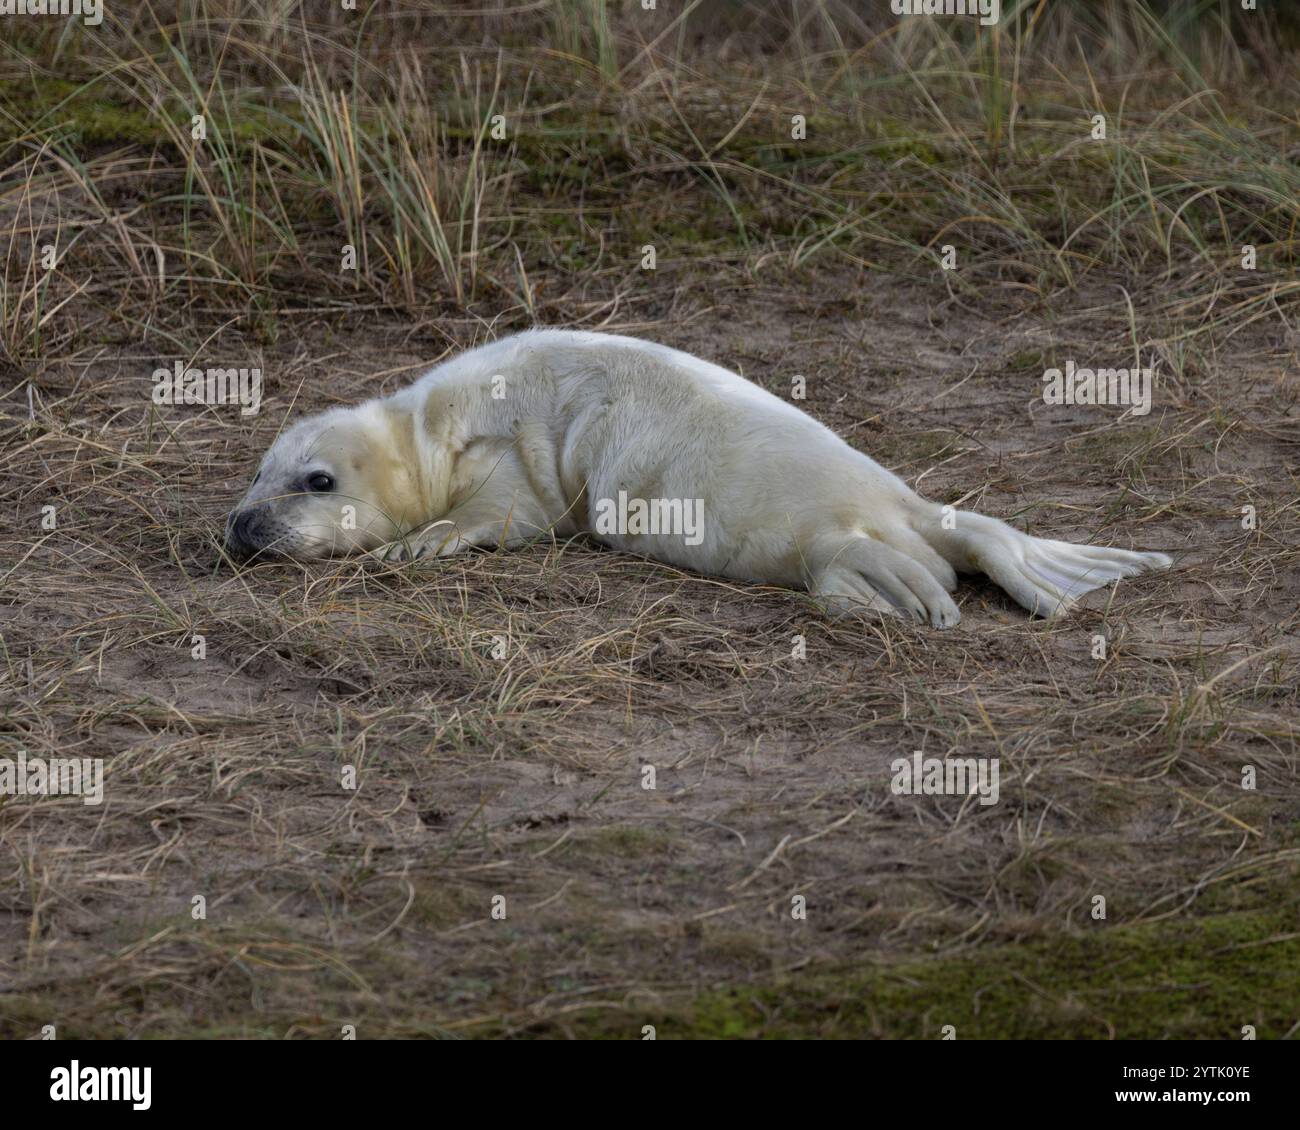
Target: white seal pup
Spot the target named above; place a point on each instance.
(649, 450)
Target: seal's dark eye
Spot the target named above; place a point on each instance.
(320, 481)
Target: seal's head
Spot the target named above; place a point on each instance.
(341, 482)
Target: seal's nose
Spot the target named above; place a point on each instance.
(239, 542)
(244, 527)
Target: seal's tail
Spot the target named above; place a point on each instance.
(1043, 575)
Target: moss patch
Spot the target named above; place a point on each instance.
(1202, 980)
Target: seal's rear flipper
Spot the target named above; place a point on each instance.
(1042, 575)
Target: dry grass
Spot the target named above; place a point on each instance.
(519, 774)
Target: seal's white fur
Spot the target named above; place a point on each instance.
(521, 437)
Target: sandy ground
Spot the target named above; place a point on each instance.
(521, 778)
